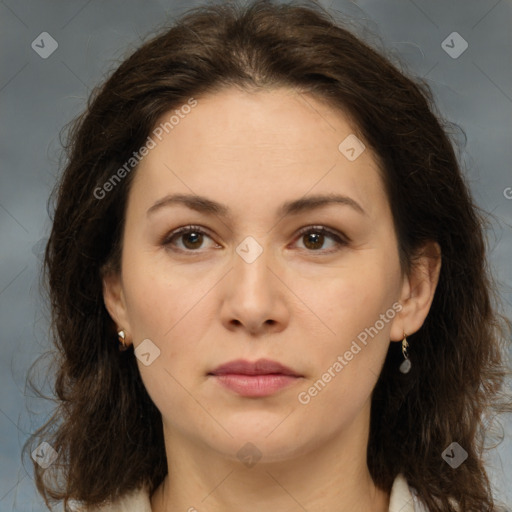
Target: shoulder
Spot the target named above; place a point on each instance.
(403, 498)
(137, 500)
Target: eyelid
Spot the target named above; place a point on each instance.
(339, 238)
(320, 228)
(189, 228)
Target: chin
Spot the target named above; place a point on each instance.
(260, 441)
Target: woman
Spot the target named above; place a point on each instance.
(255, 206)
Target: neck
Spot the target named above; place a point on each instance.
(331, 476)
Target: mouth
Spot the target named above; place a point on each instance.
(255, 379)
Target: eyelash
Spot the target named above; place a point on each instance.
(340, 239)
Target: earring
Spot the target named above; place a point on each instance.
(122, 345)
(406, 363)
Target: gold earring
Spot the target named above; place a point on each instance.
(405, 367)
(122, 345)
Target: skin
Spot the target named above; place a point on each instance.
(301, 302)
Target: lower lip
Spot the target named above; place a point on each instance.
(255, 385)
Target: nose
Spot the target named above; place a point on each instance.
(254, 296)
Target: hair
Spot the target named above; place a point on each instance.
(105, 428)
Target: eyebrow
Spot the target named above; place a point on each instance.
(204, 205)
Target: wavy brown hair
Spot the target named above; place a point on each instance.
(105, 428)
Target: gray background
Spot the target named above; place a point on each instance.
(39, 96)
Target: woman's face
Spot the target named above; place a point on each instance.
(247, 283)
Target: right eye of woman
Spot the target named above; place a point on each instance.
(190, 236)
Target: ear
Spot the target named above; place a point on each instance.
(113, 297)
(417, 293)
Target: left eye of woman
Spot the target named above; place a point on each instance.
(313, 238)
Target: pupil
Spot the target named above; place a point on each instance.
(195, 238)
(315, 240)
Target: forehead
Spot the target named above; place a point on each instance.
(258, 144)
(273, 120)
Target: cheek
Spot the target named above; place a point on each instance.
(170, 313)
(349, 359)
(157, 294)
(350, 299)
(149, 304)
(173, 310)
(358, 339)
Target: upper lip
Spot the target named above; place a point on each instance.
(259, 367)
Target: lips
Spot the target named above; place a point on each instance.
(259, 367)
(254, 380)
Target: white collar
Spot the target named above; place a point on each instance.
(403, 498)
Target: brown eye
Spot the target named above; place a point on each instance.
(186, 239)
(192, 240)
(314, 238)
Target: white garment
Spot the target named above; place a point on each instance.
(403, 499)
